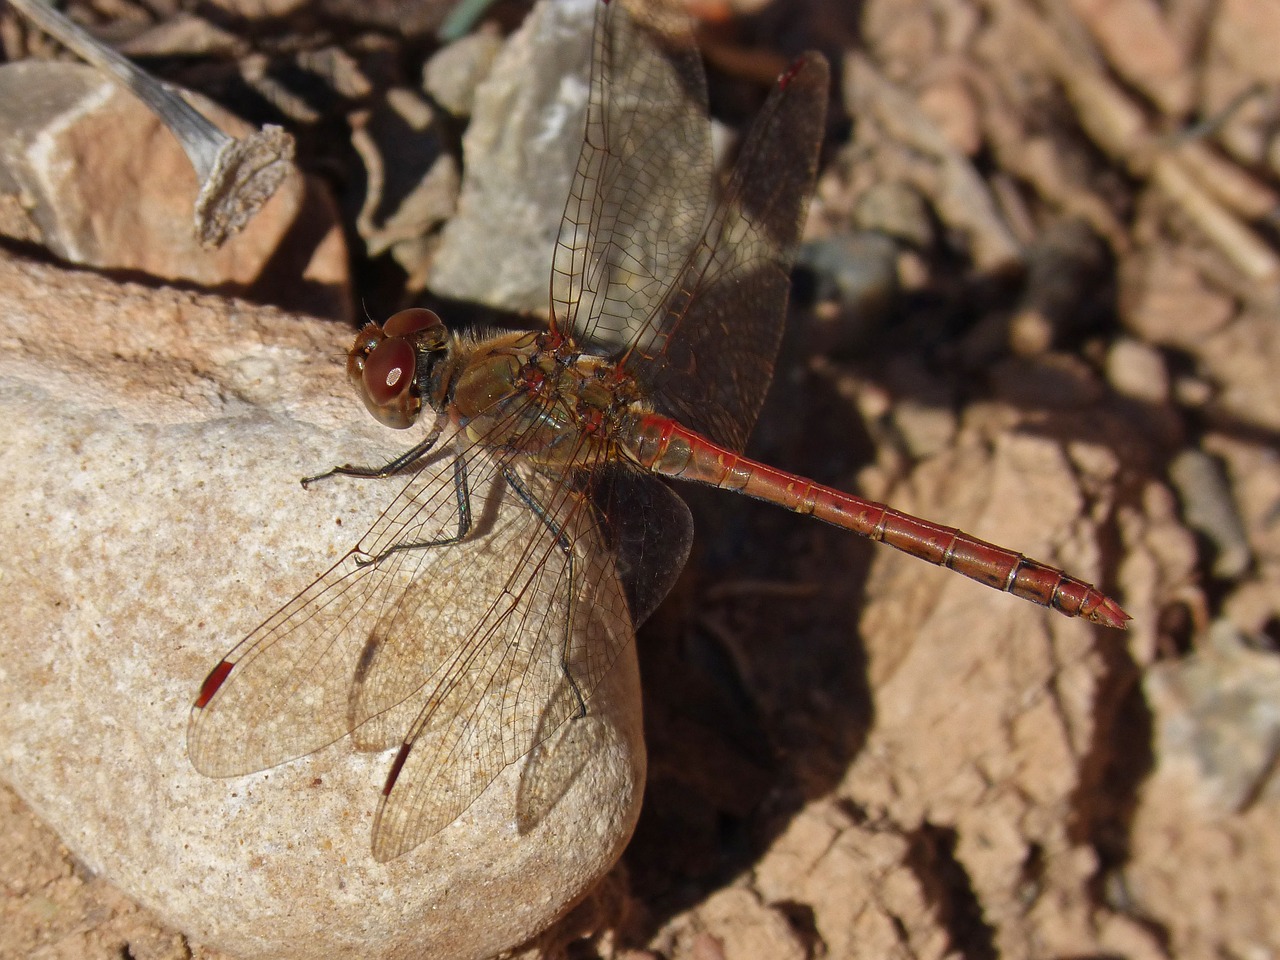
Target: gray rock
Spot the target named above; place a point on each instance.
(452, 75)
(1209, 508)
(1218, 721)
(518, 156)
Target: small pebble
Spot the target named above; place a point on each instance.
(1136, 369)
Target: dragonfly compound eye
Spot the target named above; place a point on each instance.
(406, 323)
(387, 383)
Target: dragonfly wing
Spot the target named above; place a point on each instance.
(639, 197)
(285, 690)
(550, 768)
(708, 353)
(650, 530)
(531, 662)
(647, 263)
(445, 612)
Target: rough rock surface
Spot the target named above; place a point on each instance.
(152, 516)
(851, 754)
(519, 153)
(70, 138)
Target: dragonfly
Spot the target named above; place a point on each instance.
(536, 528)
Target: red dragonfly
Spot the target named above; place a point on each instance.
(537, 486)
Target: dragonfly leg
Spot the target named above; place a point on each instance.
(462, 491)
(402, 462)
(565, 547)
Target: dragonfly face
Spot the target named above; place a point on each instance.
(393, 366)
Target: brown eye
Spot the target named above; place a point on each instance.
(408, 322)
(388, 372)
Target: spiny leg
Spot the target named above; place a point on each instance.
(462, 493)
(402, 462)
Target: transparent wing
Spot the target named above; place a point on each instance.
(638, 201)
(535, 655)
(477, 615)
(706, 354)
(285, 690)
(646, 258)
(649, 531)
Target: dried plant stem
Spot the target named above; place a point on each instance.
(237, 176)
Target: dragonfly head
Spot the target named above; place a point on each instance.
(390, 363)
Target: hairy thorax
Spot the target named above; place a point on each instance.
(529, 392)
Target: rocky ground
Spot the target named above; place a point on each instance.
(1037, 300)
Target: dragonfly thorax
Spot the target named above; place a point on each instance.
(535, 393)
